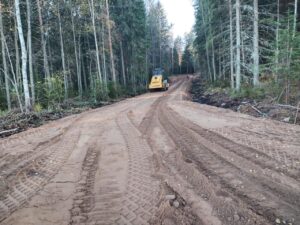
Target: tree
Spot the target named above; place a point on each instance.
(29, 46)
(24, 57)
(231, 45)
(255, 46)
(112, 61)
(238, 46)
(43, 43)
(4, 62)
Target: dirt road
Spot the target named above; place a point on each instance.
(153, 159)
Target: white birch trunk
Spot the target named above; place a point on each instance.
(231, 46)
(29, 46)
(24, 57)
(213, 59)
(45, 56)
(277, 41)
(294, 32)
(104, 56)
(295, 19)
(77, 60)
(63, 56)
(17, 54)
(255, 46)
(238, 47)
(123, 65)
(92, 10)
(110, 44)
(14, 80)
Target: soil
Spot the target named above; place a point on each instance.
(15, 122)
(255, 107)
(153, 159)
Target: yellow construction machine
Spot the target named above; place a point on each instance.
(158, 82)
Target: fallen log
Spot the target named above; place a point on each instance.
(257, 110)
(5, 132)
(296, 117)
(288, 106)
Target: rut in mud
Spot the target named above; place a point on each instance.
(153, 159)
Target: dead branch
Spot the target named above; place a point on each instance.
(297, 113)
(288, 106)
(257, 110)
(8, 131)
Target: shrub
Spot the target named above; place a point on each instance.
(38, 108)
(249, 92)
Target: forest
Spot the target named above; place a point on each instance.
(58, 51)
(55, 51)
(251, 46)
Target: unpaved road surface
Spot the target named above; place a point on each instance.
(153, 159)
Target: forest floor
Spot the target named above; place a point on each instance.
(154, 159)
(16, 122)
(264, 107)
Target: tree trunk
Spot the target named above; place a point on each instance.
(83, 69)
(294, 33)
(29, 46)
(295, 19)
(4, 62)
(238, 47)
(110, 44)
(231, 46)
(45, 56)
(213, 59)
(206, 46)
(14, 81)
(104, 56)
(17, 65)
(277, 41)
(92, 10)
(255, 46)
(24, 57)
(62, 55)
(123, 65)
(77, 60)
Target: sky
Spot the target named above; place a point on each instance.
(180, 13)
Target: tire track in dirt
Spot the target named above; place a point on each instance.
(139, 203)
(267, 147)
(84, 199)
(214, 162)
(167, 212)
(32, 177)
(197, 174)
(249, 152)
(225, 210)
(121, 193)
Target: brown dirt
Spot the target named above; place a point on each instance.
(153, 159)
(260, 106)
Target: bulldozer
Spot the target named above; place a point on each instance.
(158, 82)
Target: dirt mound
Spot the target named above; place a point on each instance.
(14, 122)
(219, 97)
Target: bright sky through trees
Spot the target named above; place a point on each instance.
(181, 14)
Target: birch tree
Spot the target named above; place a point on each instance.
(29, 47)
(255, 45)
(92, 11)
(112, 61)
(43, 43)
(77, 58)
(62, 55)
(238, 46)
(24, 57)
(231, 44)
